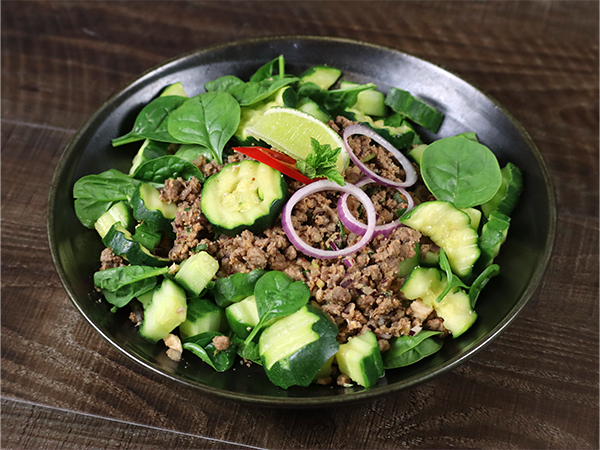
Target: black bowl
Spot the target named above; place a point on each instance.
(523, 259)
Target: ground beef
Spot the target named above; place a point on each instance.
(108, 260)
(221, 343)
(175, 349)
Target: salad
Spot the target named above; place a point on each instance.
(299, 223)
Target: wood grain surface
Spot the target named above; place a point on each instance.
(64, 387)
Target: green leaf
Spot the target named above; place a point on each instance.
(452, 281)
(460, 171)
(407, 350)
(160, 169)
(416, 110)
(202, 346)
(334, 101)
(118, 277)
(254, 91)
(480, 282)
(266, 71)
(208, 119)
(95, 194)
(191, 152)
(150, 122)
(222, 84)
(236, 287)
(128, 292)
(321, 163)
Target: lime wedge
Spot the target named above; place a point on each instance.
(289, 131)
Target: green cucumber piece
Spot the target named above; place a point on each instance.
(243, 196)
(370, 101)
(242, 316)
(475, 216)
(324, 371)
(119, 212)
(427, 283)
(196, 272)
(174, 89)
(295, 348)
(202, 316)
(310, 107)
(165, 312)
(322, 76)
(450, 228)
(150, 209)
(414, 109)
(146, 298)
(505, 200)
(493, 235)
(360, 359)
(431, 258)
(398, 133)
(416, 153)
(406, 266)
(122, 244)
(147, 236)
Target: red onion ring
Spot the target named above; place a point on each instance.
(325, 185)
(411, 174)
(356, 226)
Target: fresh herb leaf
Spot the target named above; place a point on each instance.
(408, 350)
(452, 281)
(209, 119)
(160, 169)
(151, 121)
(461, 171)
(277, 295)
(202, 346)
(321, 163)
(95, 194)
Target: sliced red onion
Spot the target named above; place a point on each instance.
(349, 262)
(356, 226)
(411, 174)
(325, 185)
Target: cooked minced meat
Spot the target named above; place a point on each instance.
(108, 260)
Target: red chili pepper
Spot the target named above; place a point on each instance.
(276, 160)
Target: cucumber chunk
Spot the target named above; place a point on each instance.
(150, 209)
(202, 316)
(450, 228)
(396, 131)
(505, 200)
(455, 308)
(147, 236)
(122, 244)
(416, 153)
(243, 196)
(242, 316)
(196, 272)
(322, 76)
(475, 216)
(493, 235)
(119, 212)
(295, 348)
(416, 110)
(369, 101)
(360, 359)
(310, 107)
(165, 312)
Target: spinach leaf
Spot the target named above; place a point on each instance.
(452, 281)
(334, 101)
(202, 346)
(150, 122)
(160, 169)
(461, 171)
(480, 282)
(254, 91)
(236, 287)
(266, 71)
(208, 119)
(416, 110)
(408, 350)
(191, 152)
(248, 350)
(114, 279)
(277, 295)
(95, 194)
(126, 293)
(222, 84)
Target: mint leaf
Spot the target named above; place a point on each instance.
(321, 163)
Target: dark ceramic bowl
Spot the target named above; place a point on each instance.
(523, 259)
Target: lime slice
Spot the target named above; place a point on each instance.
(289, 131)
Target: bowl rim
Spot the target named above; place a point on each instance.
(257, 400)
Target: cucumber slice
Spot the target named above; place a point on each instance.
(295, 348)
(416, 153)
(396, 132)
(119, 212)
(122, 244)
(146, 298)
(150, 209)
(322, 76)
(475, 216)
(406, 267)
(146, 236)
(196, 272)
(360, 359)
(416, 110)
(310, 107)
(242, 316)
(369, 101)
(450, 228)
(455, 308)
(505, 200)
(243, 196)
(493, 235)
(202, 316)
(165, 312)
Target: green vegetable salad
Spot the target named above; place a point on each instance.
(300, 136)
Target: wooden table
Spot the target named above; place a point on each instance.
(64, 387)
